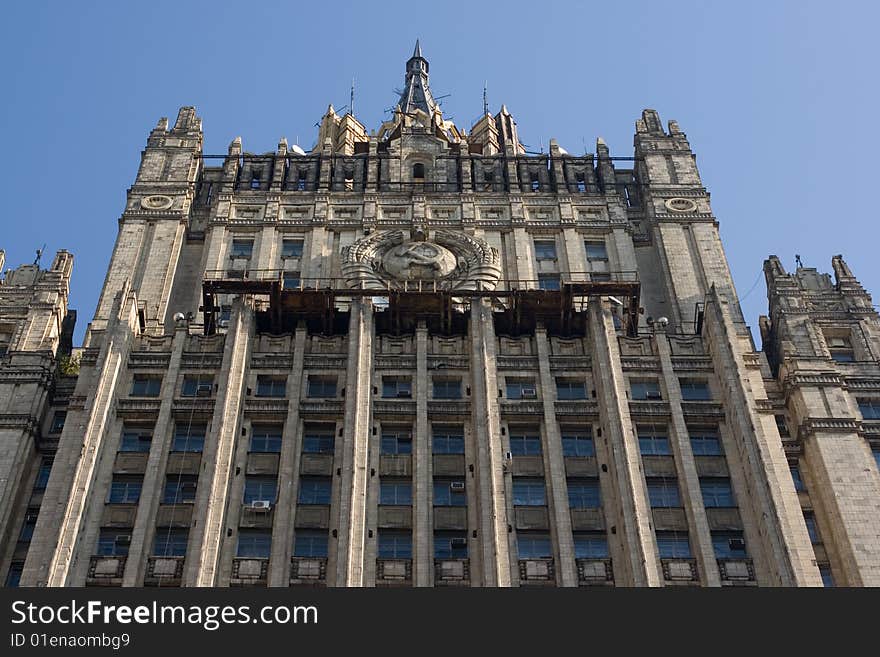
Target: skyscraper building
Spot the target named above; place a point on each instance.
(424, 356)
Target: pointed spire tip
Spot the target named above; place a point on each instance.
(417, 51)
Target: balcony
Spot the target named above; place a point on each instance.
(452, 572)
(679, 571)
(247, 571)
(537, 571)
(595, 572)
(308, 571)
(390, 572)
(737, 572)
(164, 571)
(105, 570)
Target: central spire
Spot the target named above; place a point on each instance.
(417, 94)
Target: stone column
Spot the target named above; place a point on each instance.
(784, 552)
(145, 520)
(679, 439)
(423, 539)
(351, 521)
(642, 567)
(490, 456)
(206, 540)
(574, 254)
(554, 468)
(288, 469)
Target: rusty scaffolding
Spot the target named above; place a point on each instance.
(519, 304)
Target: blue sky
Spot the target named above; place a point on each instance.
(778, 99)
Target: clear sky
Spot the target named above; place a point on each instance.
(779, 101)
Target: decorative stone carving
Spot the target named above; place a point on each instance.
(157, 202)
(680, 205)
(451, 260)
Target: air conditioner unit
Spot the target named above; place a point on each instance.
(457, 486)
(123, 539)
(406, 394)
(737, 544)
(458, 542)
(529, 393)
(204, 390)
(261, 505)
(653, 394)
(188, 485)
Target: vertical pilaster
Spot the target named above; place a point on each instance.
(203, 554)
(622, 450)
(700, 535)
(145, 519)
(554, 468)
(490, 458)
(423, 566)
(351, 521)
(288, 469)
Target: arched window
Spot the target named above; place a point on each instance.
(418, 171)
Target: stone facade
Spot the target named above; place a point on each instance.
(424, 357)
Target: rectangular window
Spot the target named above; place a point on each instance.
(584, 494)
(705, 441)
(447, 388)
(395, 544)
(876, 453)
(827, 578)
(521, 389)
(16, 568)
(548, 282)
(43, 473)
(545, 250)
(729, 545)
(596, 251)
(396, 441)
(271, 386)
(302, 176)
(189, 437)
(780, 425)
(581, 183)
(30, 523)
(653, 441)
(180, 489)
(292, 280)
(525, 442)
(796, 478)
(310, 543)
(450, 545)
(570, 389)
(318, 440)
(143, 385)
(125, 490)
(717, 492)
(447, 439)
(449, 492)
(260, 489)
(577, 443)
(291, 248)
(315, 490)
(254, 544)
(199, 385)
(170, 542)
(673, 545)
(663, 493)
(590, 545)
(394, 387)
(255, 180)
(135, 439)
(113, 543)
(322, 387)
(398, 493)
(58, 422)
(841, 348)
(242, 249)
(812, 528)
(529, 492)
(645, 389)
(533, 545)
(692, 390)
(266, 438)
(870, 408)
